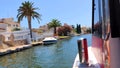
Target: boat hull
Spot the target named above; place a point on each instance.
(49, 42)
(97, 50)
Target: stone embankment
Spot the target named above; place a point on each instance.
(9, 50)
(14, 49)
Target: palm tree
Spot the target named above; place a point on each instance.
(53, 24)
(27, 10)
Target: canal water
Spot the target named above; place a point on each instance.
(59, 55)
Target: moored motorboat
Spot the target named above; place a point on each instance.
(49, 40)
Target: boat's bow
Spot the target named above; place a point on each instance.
(92, 62)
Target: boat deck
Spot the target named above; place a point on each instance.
(92, 61)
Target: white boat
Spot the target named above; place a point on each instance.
(49, 40)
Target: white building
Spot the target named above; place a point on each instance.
(8, 24)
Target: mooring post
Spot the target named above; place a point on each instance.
(85, 49)
(80, 49)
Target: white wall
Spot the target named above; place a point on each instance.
(36, 36)
(18, 35)
(4, 26)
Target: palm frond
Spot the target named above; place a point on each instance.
(54, 23)
(27, 9)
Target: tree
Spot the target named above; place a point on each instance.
(73, 26)
(73, 29)
(78, 28)
(67, 29)
(53, 24)
(16, 29)
(64, 30)
(27, 10)
(89, 30)
(60, 31)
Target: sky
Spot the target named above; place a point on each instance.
(71, 12)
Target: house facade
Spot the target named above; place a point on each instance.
(8, 37)
(8, 24)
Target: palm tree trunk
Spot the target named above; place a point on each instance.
(54, 30)
(29, 24)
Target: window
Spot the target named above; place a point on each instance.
(9, 25)
(106, 21)
(8, 38)
(97, 27)
(16, 25)
(115, 17)
(13, 25)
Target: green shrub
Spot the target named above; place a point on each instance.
(16, 29)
